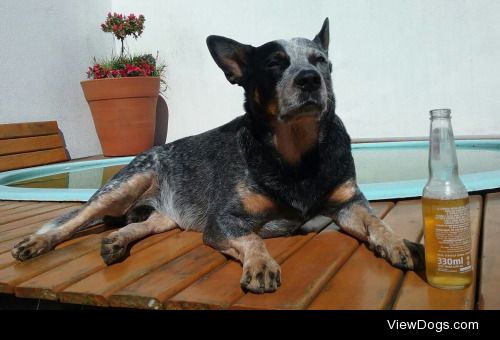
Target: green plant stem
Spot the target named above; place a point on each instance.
(123, 48)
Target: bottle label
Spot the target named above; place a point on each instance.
(448, 237)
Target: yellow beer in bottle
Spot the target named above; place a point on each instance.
(446, 212)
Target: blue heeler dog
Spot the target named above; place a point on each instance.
(286, 160)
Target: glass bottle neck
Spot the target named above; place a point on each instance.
(443, 163)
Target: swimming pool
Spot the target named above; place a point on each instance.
(384, 171)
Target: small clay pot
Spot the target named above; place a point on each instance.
(124, 113)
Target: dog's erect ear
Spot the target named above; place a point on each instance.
(231, 56)
(323, 37)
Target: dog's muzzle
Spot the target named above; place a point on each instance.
(308, 81)
(308, 109)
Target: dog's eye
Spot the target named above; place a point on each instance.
(319, 59)
(274, 63)
(278, 60)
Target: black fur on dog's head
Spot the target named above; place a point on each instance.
(283, 80)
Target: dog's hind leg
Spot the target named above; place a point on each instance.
(115, 245)
(114, 199)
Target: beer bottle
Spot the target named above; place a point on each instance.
(446, 212)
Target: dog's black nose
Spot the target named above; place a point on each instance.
(308, 80)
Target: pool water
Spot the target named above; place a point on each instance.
(389, 165)
(384, 170)
(372, 166)
(83, 179)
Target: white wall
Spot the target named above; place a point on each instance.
(45, 49)
(393, 60)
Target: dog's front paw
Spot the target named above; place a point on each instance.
(417, 254)
(30, 247)
(113, 248)
(261, 274)
(403, 254)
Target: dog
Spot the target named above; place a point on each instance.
(262, 175)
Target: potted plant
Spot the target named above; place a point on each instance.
(122, 92)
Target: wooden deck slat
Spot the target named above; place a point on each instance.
(6, 260)
(23, 271)
(9, 238)
(221, 288)
(5, 248)
(48, 284)
(102, 228)
(26, 226)
(23, 231)
(150, 291)
(489, 284)
(7, 245)
(15, 205)
(381, 209)
(40, 217)
(365, 281)
(23, 212)
(305, 273)
(9, 210)
(416, 293)
(20, 233)
(96, 288)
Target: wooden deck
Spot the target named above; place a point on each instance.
(174, 270)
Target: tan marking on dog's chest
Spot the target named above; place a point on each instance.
(256, 96)
(254, 203)
(293, 139)
(343, 192)
(272, 107)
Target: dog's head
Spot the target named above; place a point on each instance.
(285, 80)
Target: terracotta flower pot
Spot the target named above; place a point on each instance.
(123, 110)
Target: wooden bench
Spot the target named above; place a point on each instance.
(29, 144)
(174, 270)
